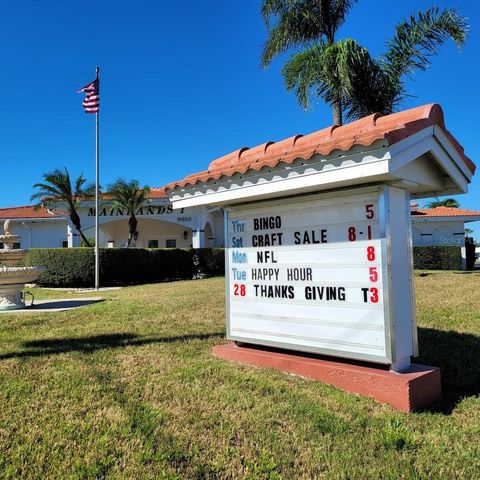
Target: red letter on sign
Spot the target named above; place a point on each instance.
(352, 236)
(370, 211)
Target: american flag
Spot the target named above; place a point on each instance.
(91, 104)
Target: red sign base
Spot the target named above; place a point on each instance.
(414, 389)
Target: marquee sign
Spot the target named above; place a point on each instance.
(312, 274)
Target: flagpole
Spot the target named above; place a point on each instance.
(97, 191)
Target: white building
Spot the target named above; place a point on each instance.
(159, 226)
(37, 228)
(440, 225)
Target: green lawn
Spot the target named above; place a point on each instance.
(128, 388)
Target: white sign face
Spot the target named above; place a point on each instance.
(310, 275)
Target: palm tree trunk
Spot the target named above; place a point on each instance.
(132, 228)
(84, 238)
(337, 113)
(76, 223)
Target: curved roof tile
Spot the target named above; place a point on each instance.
(444, 212)
(27, 211)
(392, 128)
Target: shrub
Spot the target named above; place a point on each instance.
(75, 267)
(437, 258)
(91, 241)
(63, 267)
(209, 261)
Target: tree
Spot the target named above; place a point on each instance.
(57, 188)
(299, 23)
(415, 41)
(448, 202)
(345, 72)
(130, 197)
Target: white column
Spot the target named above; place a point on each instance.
(69, 235)
(73, 238)
(198, 238)
(402, 325)
(464, 257)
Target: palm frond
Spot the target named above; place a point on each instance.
(57, 187)
(332, 72)
(292, 29)
(128, 195)
(419, 38)
(79, 182)
(274, 8)
(304, 72)
(292, 23)
(88, 190)
(361, 83)
(338, 12)
(447, 202)
(48, 189)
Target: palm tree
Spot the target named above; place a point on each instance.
(448, 202)
(365, 85)
(130, 197)
(299, 23)
(57, 188)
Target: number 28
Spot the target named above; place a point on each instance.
(239, 289)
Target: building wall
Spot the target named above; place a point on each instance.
(431, 232)
(157, 221)
(39, 233)
(115, 234)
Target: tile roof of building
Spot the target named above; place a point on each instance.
(392, 128)
(444, 212)
(157, 193)
(27, 211)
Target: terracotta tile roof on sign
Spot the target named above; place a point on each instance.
(391, 128)
(444, 212)
(27, 211)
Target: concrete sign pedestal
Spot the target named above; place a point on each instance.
(318, 249)
(411, 390)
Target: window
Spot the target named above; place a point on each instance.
(16, 246)
(171, 243)
(153, 244)
(65, 244)
(1, 246)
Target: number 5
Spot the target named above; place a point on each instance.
(370, 211)
(373, 274)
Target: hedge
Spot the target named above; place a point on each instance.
(75, 267)
(437, 258)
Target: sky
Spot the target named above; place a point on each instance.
(182, 85)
